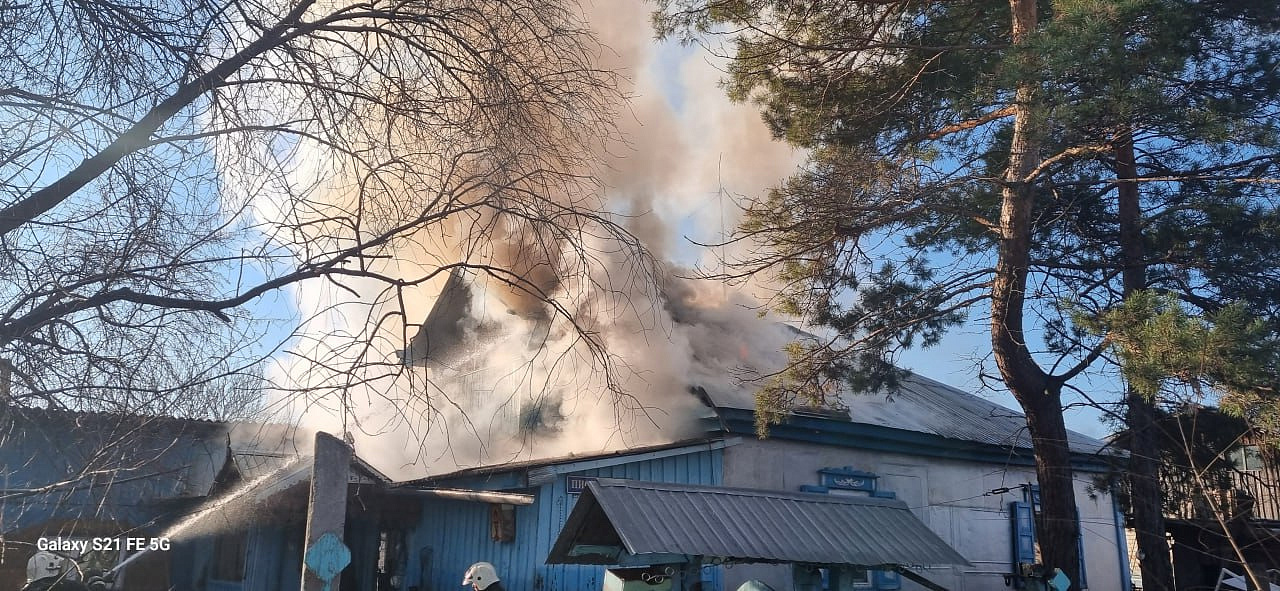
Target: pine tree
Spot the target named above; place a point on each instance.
(1226, 355)
(1045, 159)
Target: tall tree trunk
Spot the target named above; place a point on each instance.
(1058, 526)
(1144, 447)
(1144, 450)
(1039, 394)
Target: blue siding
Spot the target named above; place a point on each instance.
(455, 534)
(275, 557)
(192, 564)
(155, 467)
(362, 538)
(263, 557)
(273, 560)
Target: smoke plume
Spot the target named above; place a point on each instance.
(517, 381)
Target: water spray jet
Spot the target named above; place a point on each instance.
(224, 503)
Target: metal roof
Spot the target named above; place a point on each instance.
(927, 406)
(619, 519)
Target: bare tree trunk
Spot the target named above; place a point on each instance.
(1039, 395)
(1144, 450)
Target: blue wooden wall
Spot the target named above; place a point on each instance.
(273, 561)
(451, 535)
(275, 558)
(140, 474)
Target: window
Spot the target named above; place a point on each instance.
(852, 483)
(858, 576)
(844, 579)
(1247, 458)
(502, 523)
(229, 556)
(1026, 548)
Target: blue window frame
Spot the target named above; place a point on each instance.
(1023, 515)
(846, 480)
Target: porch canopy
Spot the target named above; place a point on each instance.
(626, 522)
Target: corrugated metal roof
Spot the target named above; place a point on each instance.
(744, 525)
(926, 406)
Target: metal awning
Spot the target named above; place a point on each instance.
(625, 522)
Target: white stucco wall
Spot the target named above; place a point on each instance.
(947, 495)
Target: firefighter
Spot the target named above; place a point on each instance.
(482, 577)
(44, 565)
(47, 571)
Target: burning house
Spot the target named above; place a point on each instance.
(929, 486)
(957, 465)
(934, 483)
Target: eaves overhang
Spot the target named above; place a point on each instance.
(844, 433)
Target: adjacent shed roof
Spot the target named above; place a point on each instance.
(619, 519)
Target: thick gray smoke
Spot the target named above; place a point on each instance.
(495, 377)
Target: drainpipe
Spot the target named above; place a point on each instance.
(1122, 545)
(458, 494)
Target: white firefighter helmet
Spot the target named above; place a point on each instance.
(754, 585)
(480, 574)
